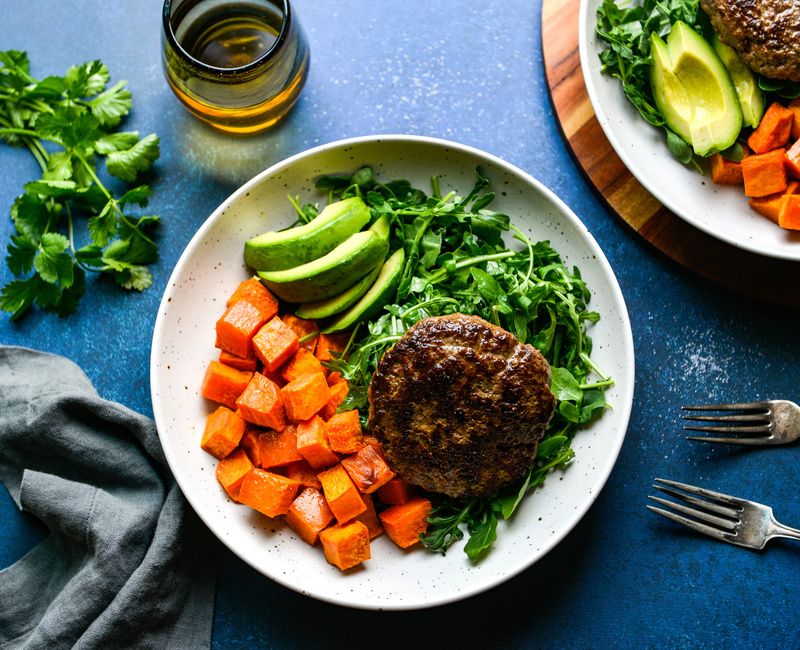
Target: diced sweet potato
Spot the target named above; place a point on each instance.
(309, 515)
(768, 206)
(236, 327)
(395, 492)
(370, 518)
(240, 363)
(346, 546)
(342, 495)
(726, 172)
(312, 443)
(303, 328)
(303, 472)
(338, 392)
(261, 403)
(305, 396)
(249, 443)
(789, 217)
(224, 429)
(256, 294)
(274, 344)
(773, 131)
(279, 448)
(368, 469)
(231, 472)
(334, 378)
(271, 494)
(224, 384)
(764, 174)
(404, 523)
(303, 362)
(344, 432)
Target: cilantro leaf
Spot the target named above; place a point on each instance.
(110, 106)
(53, 261)
(128, 163)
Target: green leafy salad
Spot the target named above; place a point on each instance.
(456, 261)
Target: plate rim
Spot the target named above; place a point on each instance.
(664, 199)
(624, 407)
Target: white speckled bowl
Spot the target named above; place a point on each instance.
(183, 344)
(721, 211)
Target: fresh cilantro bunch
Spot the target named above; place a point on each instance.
(457, 261)
(69, 125)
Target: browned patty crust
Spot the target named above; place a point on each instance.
(766, 33)
(460, 405)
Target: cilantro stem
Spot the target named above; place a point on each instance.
(437, 191)
(16, 131)
(598, 384)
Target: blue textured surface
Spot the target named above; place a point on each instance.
(470, 71)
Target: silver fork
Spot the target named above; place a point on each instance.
(774, 422)
(730, 519)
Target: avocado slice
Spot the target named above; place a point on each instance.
(693, 90)
(278, 250)
(379, 294)
(751, 98)
(337, 304)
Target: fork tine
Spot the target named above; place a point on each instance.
(750, 442)
(748, 406)
(720, 429)
(704, 504)
(712, 506)
(743, 417)
(708, 494)
(690, 523)
(705, 517)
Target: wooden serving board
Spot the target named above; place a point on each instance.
(748, 273)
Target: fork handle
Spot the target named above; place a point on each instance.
(779, 530)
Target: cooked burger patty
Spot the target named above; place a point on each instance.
(460, 405)
(766, 33)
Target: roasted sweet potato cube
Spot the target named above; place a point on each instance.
(344, 432)
(308, 515)
(224, 384)
(304, 397)
(395, 492)
(330, 346)
(279, 448)
(368, 469)
(249, 443)
(224, 429)
(773, 131)
(256, 294)
(303, 472)
(312, 443)
(764, 174)
(237, 326)
(261, 403)
(231, 472)
(346, 546)
(303, 328)
(274, 344)
(271, 494)
(406, 522)
(341, 493)
(303, 362)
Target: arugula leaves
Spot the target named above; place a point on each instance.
(76, 116)
(456, 261)
(626, 30)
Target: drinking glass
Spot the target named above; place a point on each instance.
(238, 65)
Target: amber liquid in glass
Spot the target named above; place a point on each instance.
(230, 36)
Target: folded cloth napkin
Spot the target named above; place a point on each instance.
(127, 563)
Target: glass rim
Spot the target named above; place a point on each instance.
(169, 33)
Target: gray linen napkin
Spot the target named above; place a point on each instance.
(127, 563)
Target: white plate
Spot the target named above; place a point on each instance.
(721, 211)
(183, 344)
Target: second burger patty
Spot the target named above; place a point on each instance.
(460, 405)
